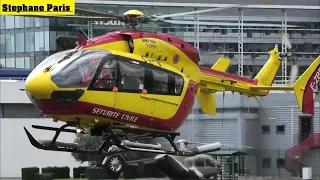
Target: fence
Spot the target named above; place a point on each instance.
(265, 163)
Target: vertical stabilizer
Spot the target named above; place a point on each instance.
(269, 71)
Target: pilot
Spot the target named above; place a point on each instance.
(105, 77)
(91, 69)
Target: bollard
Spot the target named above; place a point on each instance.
(307, 173)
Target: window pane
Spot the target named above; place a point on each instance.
(39, 41)
(9, 22)
(47, 41)
(28, 63)
(2, 22)
(107, 76)
(132, 76)
(52, 41)
(2, 60)
(19, 22)
(160, 82)
(46, 22)
(2, 42)
(20, 62)
(178, 84)
(10, 42)
(20, 39)
(199, 162)
(29, 21)
(38, 22)
(29, 39)
(266, 163)
(10, 62)
(71, 72)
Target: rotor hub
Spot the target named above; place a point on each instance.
(133, 13)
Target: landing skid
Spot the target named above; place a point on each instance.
(121, 145)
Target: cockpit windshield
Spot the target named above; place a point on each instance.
(47, 62)
(77, 70)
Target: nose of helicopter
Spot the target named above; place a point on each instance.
(39, 86)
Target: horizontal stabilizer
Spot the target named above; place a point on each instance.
(221, 65)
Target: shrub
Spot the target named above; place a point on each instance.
(44, 176)
(96, 173)
(77, 171)
(59, 172)
(148, 171)
(131, 172)
(28, 173)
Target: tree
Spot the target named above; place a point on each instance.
(87, 142)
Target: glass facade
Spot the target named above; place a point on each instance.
(26, 41)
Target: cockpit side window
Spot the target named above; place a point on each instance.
(199, 162)
(106, 76)
(131, 76)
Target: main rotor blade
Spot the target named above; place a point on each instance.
(294, 73)
(287, 41)
(95, 13)
(74, 17)
(224, 24)
(194, 12)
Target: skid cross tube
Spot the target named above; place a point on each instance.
(110, 137)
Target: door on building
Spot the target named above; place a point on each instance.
(306, 126)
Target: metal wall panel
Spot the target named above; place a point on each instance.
(314, 161)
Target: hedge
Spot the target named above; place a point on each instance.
(44, 176)
(77, 171)
(59, 172)
(95, 173)
(28, 173)
(147, 171)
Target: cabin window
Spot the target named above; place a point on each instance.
(160, 82)
(131, 76)
(178, 84)
(107, 76)
(199, 162)
(209, 163)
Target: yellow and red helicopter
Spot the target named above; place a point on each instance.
(141, 83)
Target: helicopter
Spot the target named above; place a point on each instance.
(135, 83)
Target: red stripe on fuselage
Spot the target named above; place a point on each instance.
(227, 75)
(172, 124)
